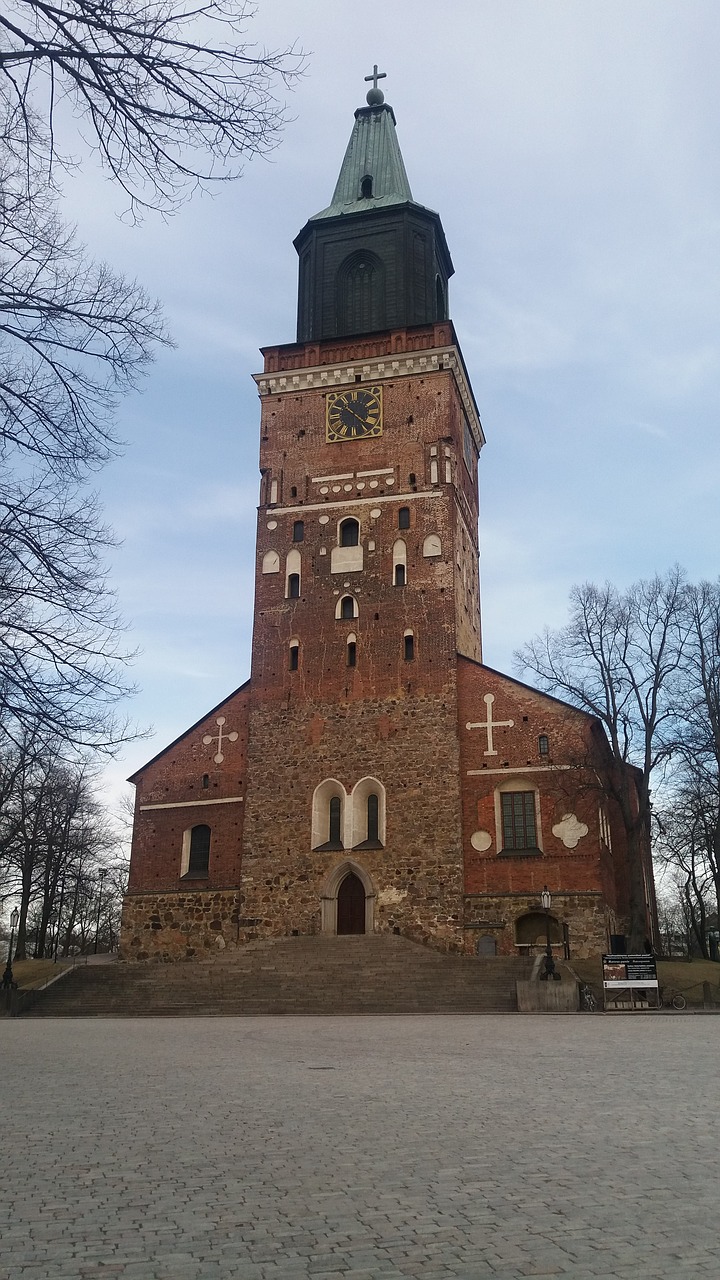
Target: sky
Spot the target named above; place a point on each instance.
(571, 149)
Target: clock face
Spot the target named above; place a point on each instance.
(354, 414)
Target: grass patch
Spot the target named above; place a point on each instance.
(35, 973)
(675, 975)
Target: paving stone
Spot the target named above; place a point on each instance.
(448, 1148)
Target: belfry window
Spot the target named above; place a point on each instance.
(409, 646)
(293, 586)
(349, 533)
(519, 829)
(361, 292)
(294, 656)
(404, 517)
(366, 188)
(399, 575)
(347, 607)
(298, 531)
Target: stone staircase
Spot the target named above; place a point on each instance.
(319, 975)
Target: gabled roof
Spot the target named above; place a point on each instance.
(372, 152)
(192, 729)
(540, 693)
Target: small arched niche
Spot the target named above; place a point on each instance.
(271, 562)
(432, 546)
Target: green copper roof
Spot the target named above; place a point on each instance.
(372, 152)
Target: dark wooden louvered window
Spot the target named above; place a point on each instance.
(518, 819)
(294, 586)
(298, 531)
(404, 515)
(199, 860)
(399, 575)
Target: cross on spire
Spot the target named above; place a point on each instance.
(376, 75)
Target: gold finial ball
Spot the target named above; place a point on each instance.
(375, 97)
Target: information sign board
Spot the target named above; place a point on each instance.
(629, 980)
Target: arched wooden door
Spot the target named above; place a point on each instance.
(351, 905)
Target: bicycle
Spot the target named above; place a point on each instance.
(588, 1003)
(676, 999)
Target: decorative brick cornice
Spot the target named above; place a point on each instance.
(397, 365)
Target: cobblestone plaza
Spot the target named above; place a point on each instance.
(279, 1148)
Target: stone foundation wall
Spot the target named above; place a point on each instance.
(179, 926)
(587, 916)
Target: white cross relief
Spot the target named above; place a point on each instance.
(231, 737)
(491, 724)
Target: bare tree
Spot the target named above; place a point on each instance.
(618, 659)
(171, 95)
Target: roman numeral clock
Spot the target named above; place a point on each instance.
(353, 415)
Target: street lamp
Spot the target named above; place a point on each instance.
(546, 901)
(8, 981)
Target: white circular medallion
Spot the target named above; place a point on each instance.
(324, 519)
(376, 513)
(272, 524)
(390, 480)
(324, 489)
(481, 840)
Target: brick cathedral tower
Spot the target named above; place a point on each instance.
(340, 789)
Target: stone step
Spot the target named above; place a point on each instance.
(381, 974)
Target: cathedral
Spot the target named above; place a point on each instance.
(373, 774)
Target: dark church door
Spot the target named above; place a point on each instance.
(351, 905)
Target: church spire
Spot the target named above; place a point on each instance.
(372, 174)
(373, 259)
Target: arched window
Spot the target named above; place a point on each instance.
(366, 187)
(373, 808)
(349, 533)
(346, 608)
(543, 745)
(328, 816)
(399, 563)
(408, 646)
(404, 515)
(352, 652)
(368, 814)
(294, 656)
(196, 852)
(293, 565)
(361, 294)
(298, 531)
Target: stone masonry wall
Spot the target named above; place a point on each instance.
(410, 746)
(495, 916)
(179, 926)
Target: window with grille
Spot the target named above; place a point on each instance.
(518, 820)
